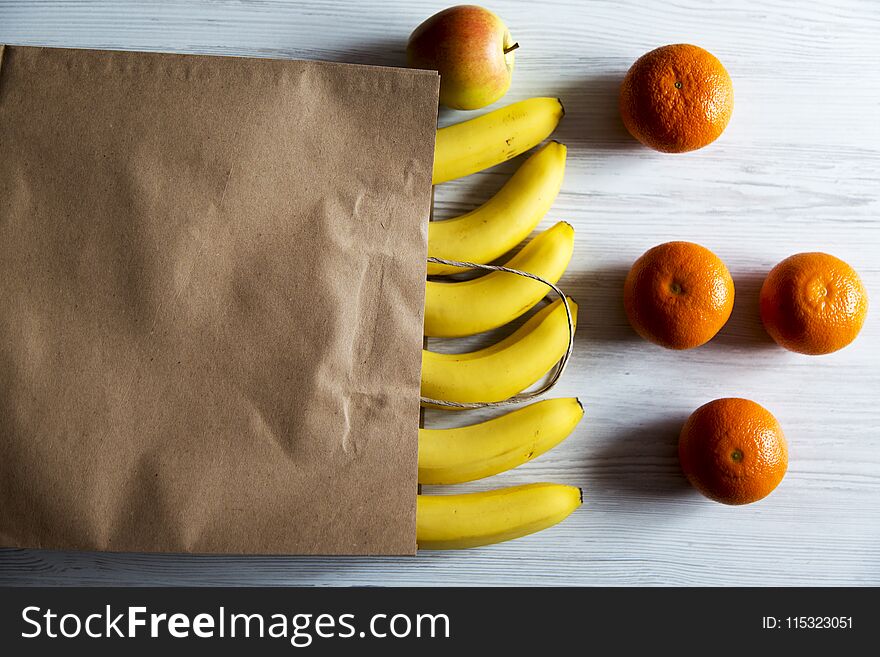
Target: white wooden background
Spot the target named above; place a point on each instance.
(797, 169)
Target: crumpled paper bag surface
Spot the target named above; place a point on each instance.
(211, 299)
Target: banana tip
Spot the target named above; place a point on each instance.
(581, 494)
(561, 106)
(563, 149)
(579, 403)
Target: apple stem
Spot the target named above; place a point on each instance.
(511, 48)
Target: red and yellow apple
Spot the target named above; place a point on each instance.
(472, 50)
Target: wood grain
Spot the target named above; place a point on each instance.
(797, 169)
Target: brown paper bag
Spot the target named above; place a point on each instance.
(211, 297)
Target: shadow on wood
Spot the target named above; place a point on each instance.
(592, 117)
(744, 328)
(60, 568)
(641, 461)
(599, 293)
(387, 52)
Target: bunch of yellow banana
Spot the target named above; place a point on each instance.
(456, 308)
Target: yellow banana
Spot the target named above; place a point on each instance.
(503, 369)
(449, 522)
(461, 308)
(483, 142)
(505, 220)
(453, 456)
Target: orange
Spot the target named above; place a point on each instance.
(733, 451)
(676, 98)
(678, 295)
(813, 303)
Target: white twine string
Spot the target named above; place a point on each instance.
(557, 370)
